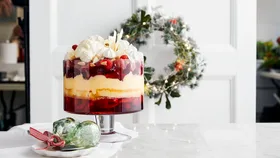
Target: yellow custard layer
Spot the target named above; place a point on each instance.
(100, 86)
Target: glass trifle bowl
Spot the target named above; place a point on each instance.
(103, 77)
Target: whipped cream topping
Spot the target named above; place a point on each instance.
(96, 48)
(123, 46)
(87, 49)
(109, 53)
(136, 56)
(70, 55)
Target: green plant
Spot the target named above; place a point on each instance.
(269, 53)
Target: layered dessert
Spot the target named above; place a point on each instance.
(103, 76)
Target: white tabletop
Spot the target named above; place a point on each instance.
(192, 141)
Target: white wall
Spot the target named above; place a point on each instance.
(268, 28)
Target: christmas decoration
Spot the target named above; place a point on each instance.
(186, 70)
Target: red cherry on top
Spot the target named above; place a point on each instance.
(107, 63)
(141, 69)
(124, 57)
(74, 47)
(119, 63)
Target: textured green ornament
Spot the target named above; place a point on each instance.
(64, 126)
(85, 134)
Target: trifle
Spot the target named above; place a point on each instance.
(103, 77)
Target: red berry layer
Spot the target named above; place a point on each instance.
(104, 106)
(117, 68)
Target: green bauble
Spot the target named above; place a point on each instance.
(63, 127)
(86, 134)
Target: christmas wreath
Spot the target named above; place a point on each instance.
(188, 67)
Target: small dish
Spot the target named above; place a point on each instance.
(56, 153)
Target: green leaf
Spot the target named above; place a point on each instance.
(147, 26)
(159, 101)
(171, 79)
(147, 18)
(175, 94)
(160, 77)
(133, 32)
(145, 58)
(167, 102)
(148, 76)
(142, 15)
(148, 72)
(149, 69)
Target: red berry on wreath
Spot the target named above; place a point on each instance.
(74, 47)
(173, 21)
(178, 66)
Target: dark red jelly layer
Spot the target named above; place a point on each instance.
(117, 68)
(104, 106)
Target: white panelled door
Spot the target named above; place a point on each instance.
(225, 31)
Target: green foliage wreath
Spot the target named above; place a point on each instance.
(186, 70)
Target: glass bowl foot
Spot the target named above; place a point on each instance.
(114, 137)
(108, 135)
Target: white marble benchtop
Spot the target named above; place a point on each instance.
(171, 140)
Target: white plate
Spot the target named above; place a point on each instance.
(51, 153)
